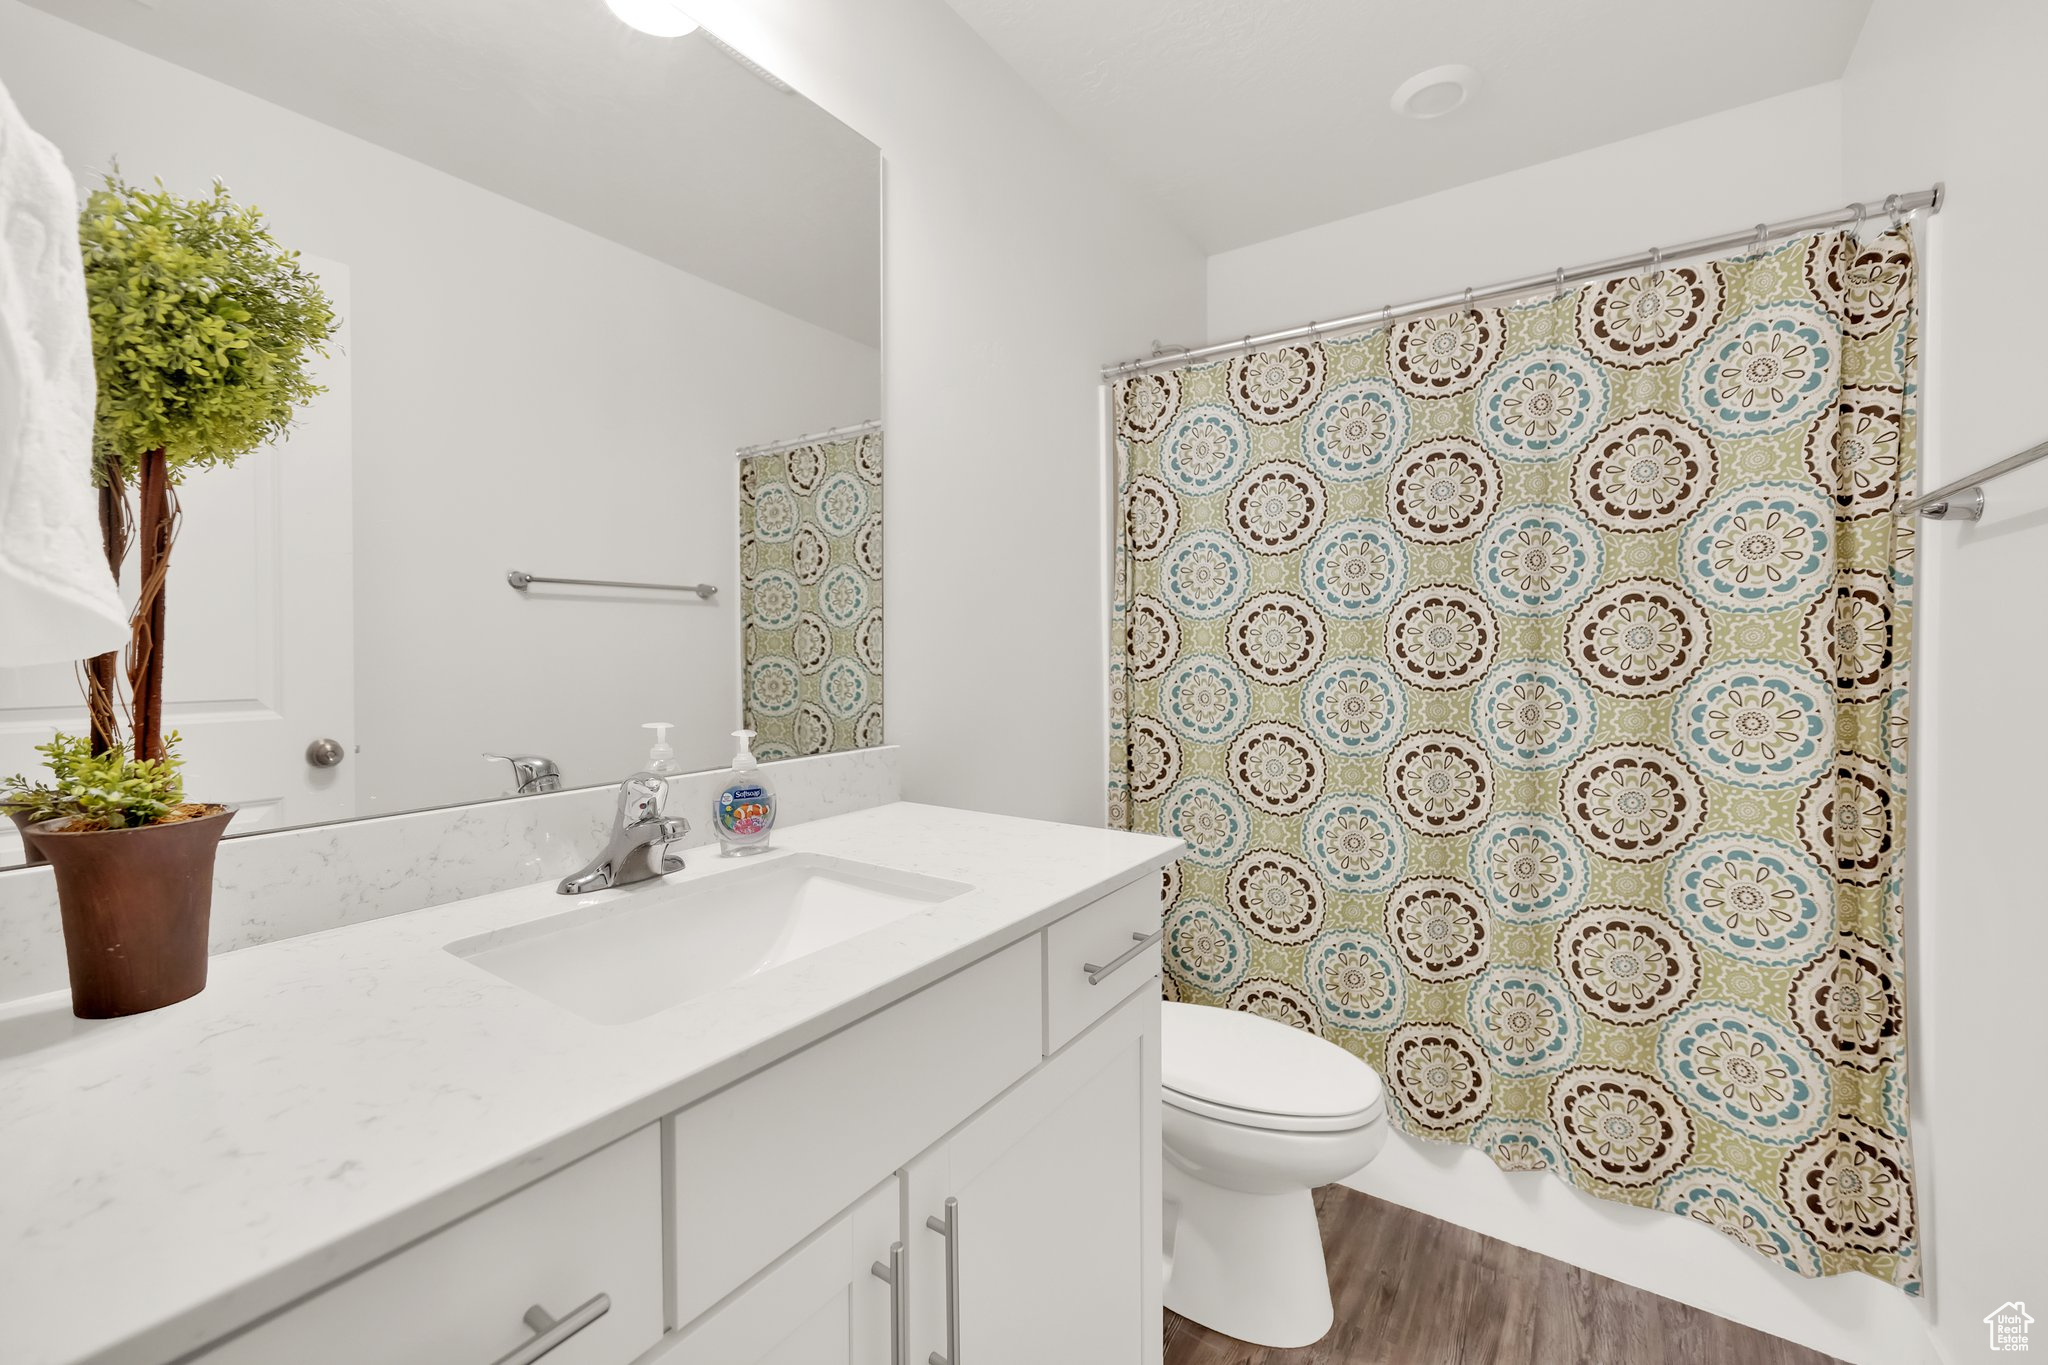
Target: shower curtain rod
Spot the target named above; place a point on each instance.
(831, 434)
(1897, 206)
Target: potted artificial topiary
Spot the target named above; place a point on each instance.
(203, 334)
(134, 868)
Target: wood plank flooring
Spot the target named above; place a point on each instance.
(1415, 1290)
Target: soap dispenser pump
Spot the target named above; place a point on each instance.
(661, 758)
(743, 813)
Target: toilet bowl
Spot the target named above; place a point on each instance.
(1257, 1114)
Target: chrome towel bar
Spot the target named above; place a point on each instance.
(522, 580)
(1963, 499)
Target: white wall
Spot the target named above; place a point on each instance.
(1678, 183)
(526, 394)
(1954, 93)
(1626, 197)
(1015, 265)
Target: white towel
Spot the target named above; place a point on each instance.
(58, 600)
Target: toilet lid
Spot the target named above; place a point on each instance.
(1258, 1066)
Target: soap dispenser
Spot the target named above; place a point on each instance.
(661, 758)
(744, 810)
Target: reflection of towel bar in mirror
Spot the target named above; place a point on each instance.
(522, 580)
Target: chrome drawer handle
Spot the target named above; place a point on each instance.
(1096, 973)
(550, 1331)
(950, 1230)
(892, 1275)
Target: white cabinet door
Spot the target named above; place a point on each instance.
(1056, 1190)
(760, 1165)
(822, 1304)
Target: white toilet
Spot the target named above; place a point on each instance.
(1257, 1114)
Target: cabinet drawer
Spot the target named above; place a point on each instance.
(457, 1297)
(758, 1166)
(1096, 935)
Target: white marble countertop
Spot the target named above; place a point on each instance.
(167, 1178)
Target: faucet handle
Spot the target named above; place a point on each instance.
(640, 799)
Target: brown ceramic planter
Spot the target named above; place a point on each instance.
(135, 903)
(31, 854)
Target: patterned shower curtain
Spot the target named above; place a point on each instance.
(811, 597)
(1529, 687)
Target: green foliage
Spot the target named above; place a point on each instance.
(203, 327)
(99, 791)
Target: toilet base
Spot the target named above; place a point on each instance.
(1247, 1265)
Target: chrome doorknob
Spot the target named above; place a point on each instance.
(325, 753)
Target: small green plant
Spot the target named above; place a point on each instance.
(99, 791)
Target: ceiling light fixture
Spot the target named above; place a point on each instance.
(662, 18)
(1435, 92)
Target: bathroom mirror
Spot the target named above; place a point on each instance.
(579, 268)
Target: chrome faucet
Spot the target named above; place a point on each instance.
(638, 848)
(531, 773)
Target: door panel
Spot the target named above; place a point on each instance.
(260, 619)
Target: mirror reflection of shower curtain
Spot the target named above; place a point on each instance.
(1529, 686)
(811, 596)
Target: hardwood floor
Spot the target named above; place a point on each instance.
(1414, 1290)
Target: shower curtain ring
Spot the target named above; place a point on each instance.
(1656, 265)
(1468, 298)
(1387, 316)
(1762, 231)
(1856, 228)
(1560, 283)
(1891, 206)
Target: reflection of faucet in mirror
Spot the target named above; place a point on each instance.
(638, 848)
(530, 773)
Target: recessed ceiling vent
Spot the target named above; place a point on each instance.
(1435, 92)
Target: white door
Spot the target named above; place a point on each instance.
(1053, 1188)
(822, 1304)
(261, 625)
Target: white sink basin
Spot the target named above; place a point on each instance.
(647, 948)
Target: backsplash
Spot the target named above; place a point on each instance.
(301, 881)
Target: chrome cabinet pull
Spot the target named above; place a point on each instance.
(550, 1331)
(1097, 971)
(949, 1228)
(892, 1275)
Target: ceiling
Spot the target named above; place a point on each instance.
(1247, 119)
(664, 145)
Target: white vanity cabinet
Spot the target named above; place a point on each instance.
(970, 1173)
(1033, 1224)
(947, 1103)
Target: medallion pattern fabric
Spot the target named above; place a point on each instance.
(811, 597)
(1529, 688)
